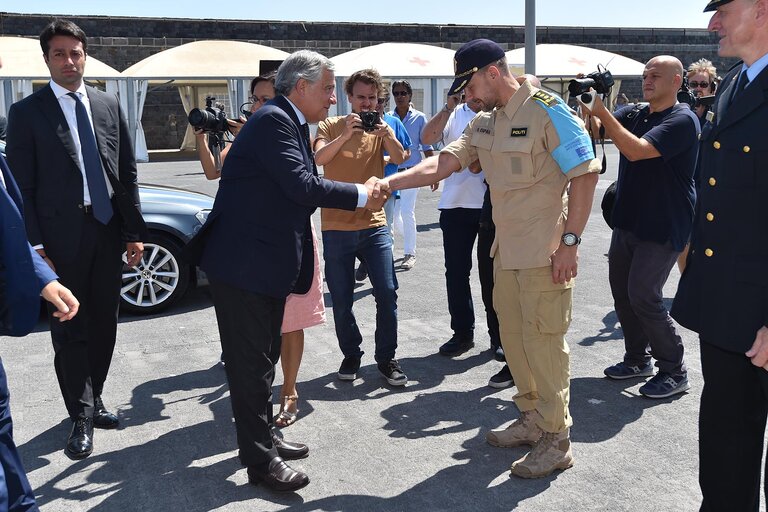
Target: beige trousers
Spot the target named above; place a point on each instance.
(534, 315)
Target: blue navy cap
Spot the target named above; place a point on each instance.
(470, 58)
(714, 4)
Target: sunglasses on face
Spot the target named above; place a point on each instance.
(399, 93)
(696, 85)
(382, 101)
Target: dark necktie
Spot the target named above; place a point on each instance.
(741, 84)
(308, 144)
(94, 173)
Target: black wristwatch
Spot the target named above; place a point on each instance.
(570, 239)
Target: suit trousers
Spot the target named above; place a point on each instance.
(534, 315)
(15, 492)
(83, 346)
(732, 418)
(485, 236)
(459, 226)
(249, 326)
(637, 271)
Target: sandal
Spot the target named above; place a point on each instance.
(286, 417)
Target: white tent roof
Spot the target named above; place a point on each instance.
(205, 60)
(408, 60)
(23, 59)
(565, 60)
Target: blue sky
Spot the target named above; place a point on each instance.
(580, 13)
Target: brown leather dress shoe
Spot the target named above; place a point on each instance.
(279, 477)
(288, 450)
(102, 418)
(80, 440)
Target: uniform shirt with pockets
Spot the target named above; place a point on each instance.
(529, 150)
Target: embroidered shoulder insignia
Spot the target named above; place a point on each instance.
(545, 98)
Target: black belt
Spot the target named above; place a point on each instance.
(88, 208)
(403, 169)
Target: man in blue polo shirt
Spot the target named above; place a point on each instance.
(653, 217)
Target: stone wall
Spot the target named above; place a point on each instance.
(122, 41)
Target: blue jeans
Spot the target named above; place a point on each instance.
(374, 246)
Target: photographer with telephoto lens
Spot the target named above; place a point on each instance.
(211, 125)
(652, 218)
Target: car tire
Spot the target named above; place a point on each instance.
(158, 281)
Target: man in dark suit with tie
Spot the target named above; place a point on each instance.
(723, 293)
(69, 148)
(256, 248)
(24, 277)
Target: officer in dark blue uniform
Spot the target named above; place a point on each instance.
(723, 293)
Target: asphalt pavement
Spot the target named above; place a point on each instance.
(372, 447)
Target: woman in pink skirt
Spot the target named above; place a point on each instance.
(301, 312)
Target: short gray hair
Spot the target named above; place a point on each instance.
(304, 64)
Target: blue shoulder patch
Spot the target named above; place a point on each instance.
(575, 145)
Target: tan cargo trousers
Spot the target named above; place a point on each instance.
(534, 315)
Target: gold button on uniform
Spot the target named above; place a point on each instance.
(710, 217)
(716, 145)
(746, 149)
(709, 252)
(712, 181)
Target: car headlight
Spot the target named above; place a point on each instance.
(202, 216)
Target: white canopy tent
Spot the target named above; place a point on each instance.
(429, 70)
(23, 65)
(200, 69)
(557, 64)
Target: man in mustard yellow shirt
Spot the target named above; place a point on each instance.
(352, 153)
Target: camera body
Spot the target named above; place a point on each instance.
(685, 95)
(370, 119)
(211, 119)
(601, 81)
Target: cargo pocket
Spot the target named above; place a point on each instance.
(548, 308)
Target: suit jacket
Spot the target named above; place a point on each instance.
(42, 155)
(23, 273)
(257, 237)
(723, 293)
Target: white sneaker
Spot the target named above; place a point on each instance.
(409, 260)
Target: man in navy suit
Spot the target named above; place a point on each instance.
(72, 156)
(723, 292)
(256, 248)
(24, 277)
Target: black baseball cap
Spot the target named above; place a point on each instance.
(714, 4)
(470, 58)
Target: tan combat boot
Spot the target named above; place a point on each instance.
(552, 452)
(522, 431)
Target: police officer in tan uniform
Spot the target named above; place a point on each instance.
(541, 171)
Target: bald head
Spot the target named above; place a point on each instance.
(531, 78)
(661, 81)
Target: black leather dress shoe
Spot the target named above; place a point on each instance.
(279, 477)
(80, 441)
(457, 345)
(289, 451)
(102, 418)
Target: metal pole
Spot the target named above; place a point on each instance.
(530, 36)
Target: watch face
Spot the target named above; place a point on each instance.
(569, 239)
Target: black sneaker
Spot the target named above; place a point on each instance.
(457, 345)
(393, 373)
(349, 367)
(503, 379)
